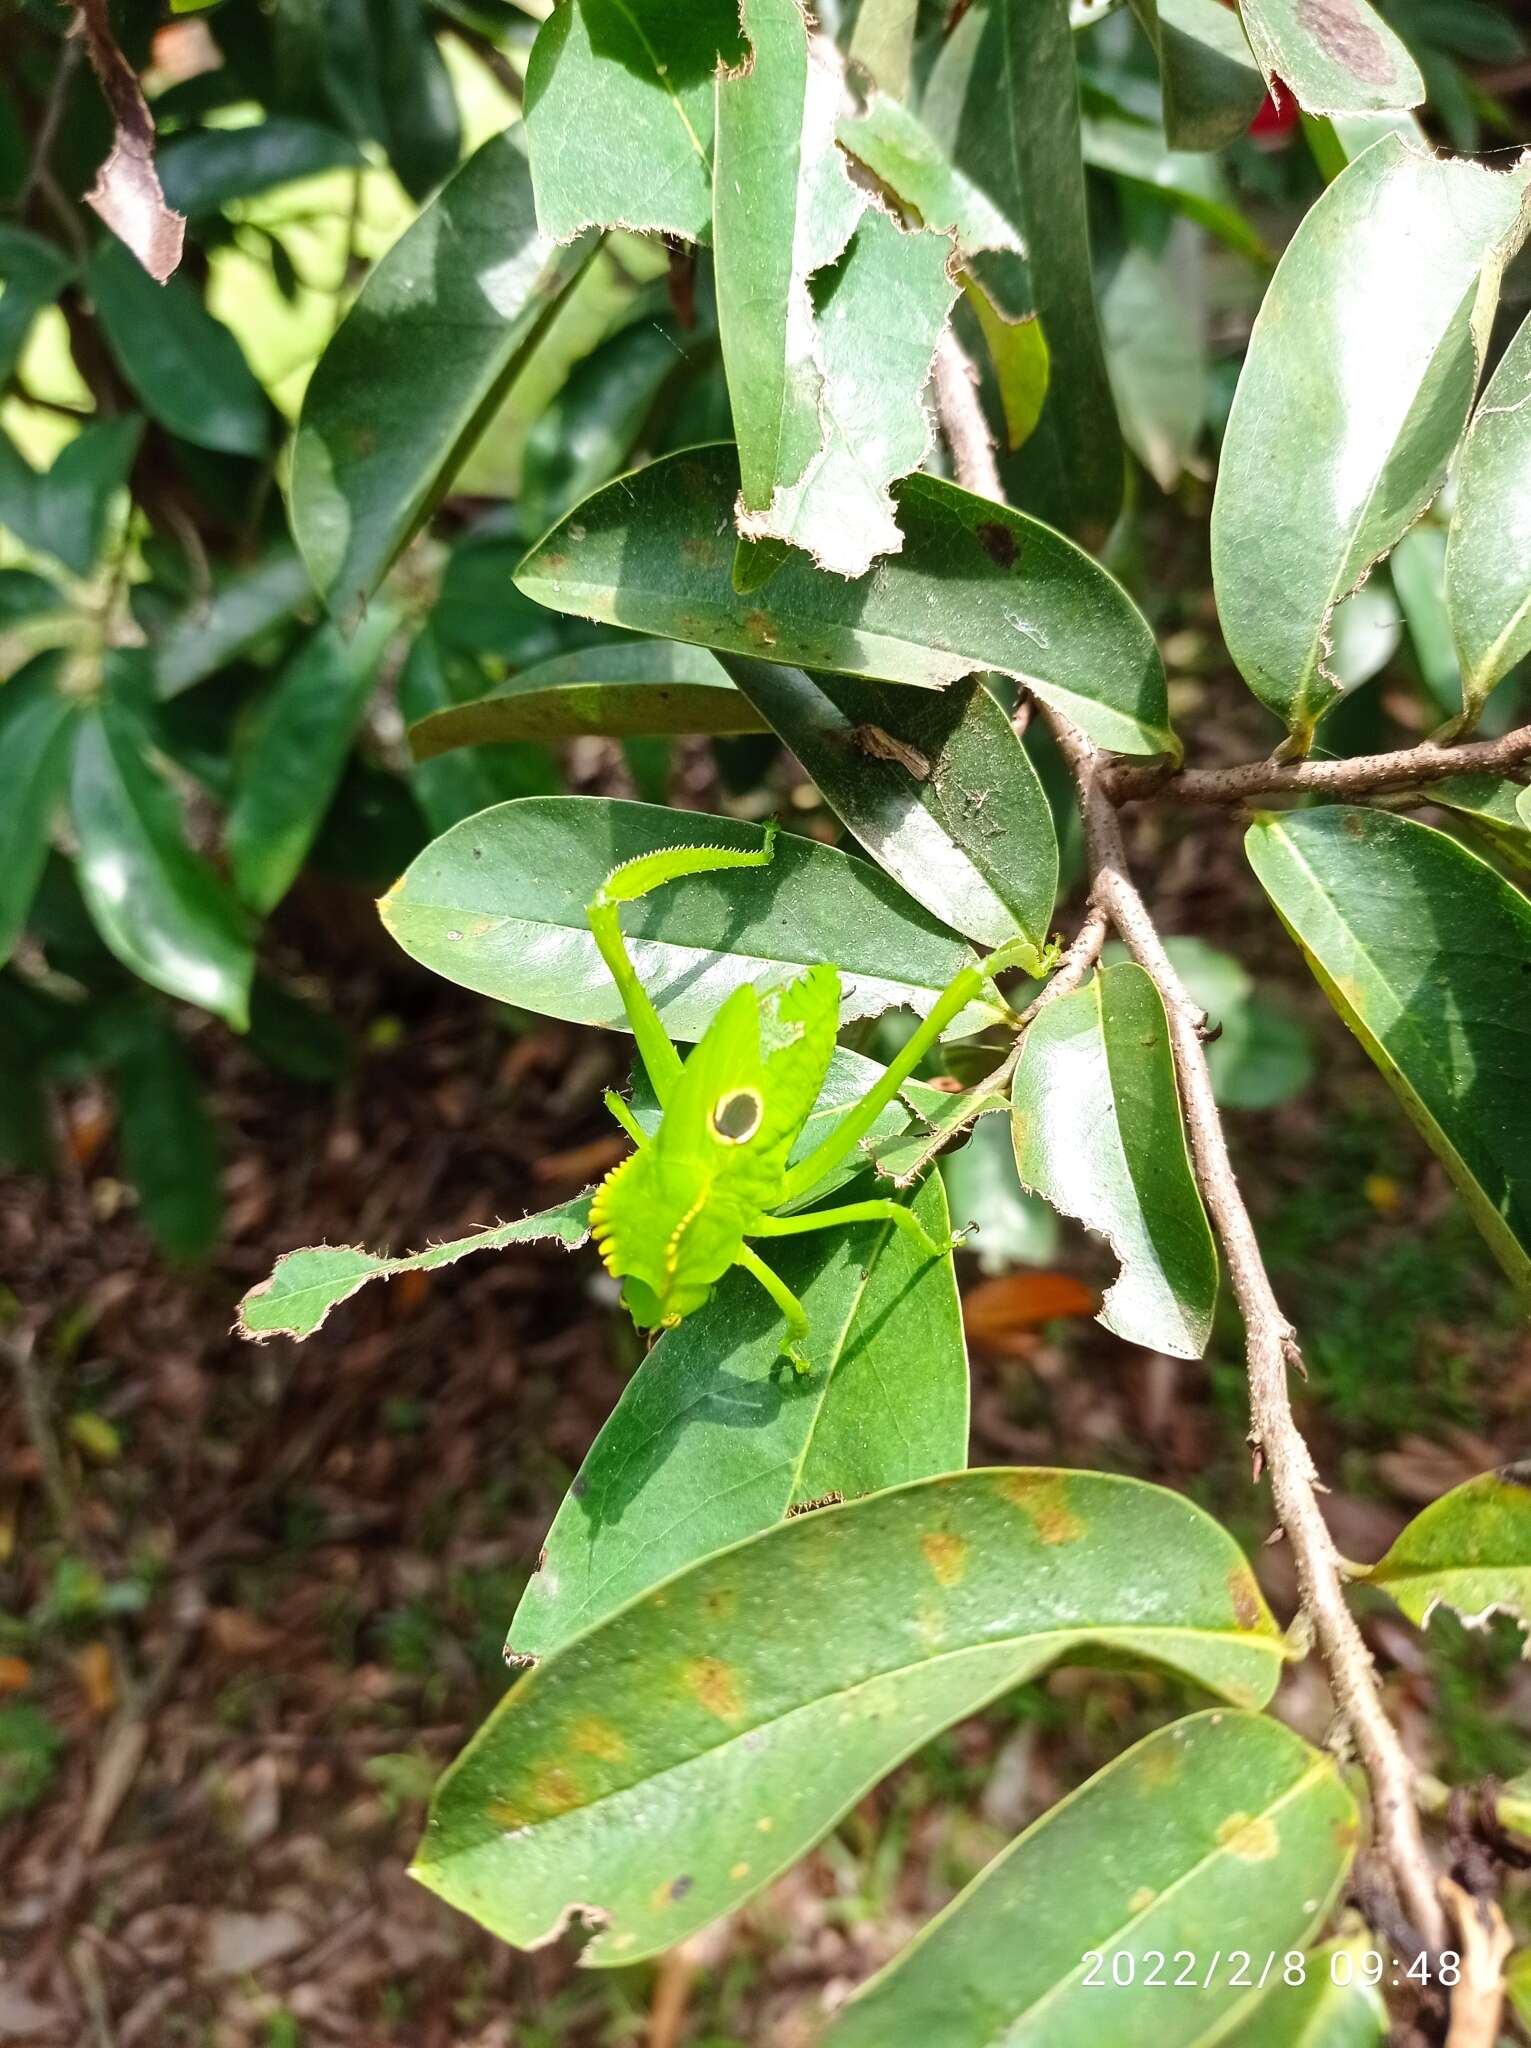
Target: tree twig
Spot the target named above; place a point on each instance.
(1270, 1340)
(962, 422)
(1365, 775)
(1272, 1348)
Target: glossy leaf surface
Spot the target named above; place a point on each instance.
(975, 586)
(296, 756)
(668, 1763)
(713, 1440)
(1222, 1832)
(620, 114)
(498, 904)
(919, 777)
(1333, 56)
(1360, 373)
(417, 366)
(623, 689)
(1098, 1135)
(185, 367)
(1488, 555)
(1426, 953)
(1004, 102)
(229, 619)
(1470, 1550)
(157, 905)
(37, 723)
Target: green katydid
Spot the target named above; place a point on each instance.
(673, 1216)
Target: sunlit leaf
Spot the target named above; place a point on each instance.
(975, 586)
(1098, 1134)
(669, 1762)
(1469, 1550)
(1221, 1834)
(1339, 57)
(1426, 953)
(1488, 556)
(1358, 380)
(712, 1440)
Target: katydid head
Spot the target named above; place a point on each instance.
(670, 1219)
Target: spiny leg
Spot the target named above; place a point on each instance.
(792, 1309)
(858, 1120)
(880, 1209)
(622, 1111)
(625, 884)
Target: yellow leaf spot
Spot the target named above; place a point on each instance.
(1142, 1899)
(1157, 1767)
(1042, 1498)
(765, 1823)
(1252, 1838)
(624, 1940)
(596, 1737)
(930, 1622)
(502, 1814)
(670, 1893)
(555, 1789)
(739, 1870)
(1248, 1608)
(946, 1554)
(1384, 1193)
(715, 1685)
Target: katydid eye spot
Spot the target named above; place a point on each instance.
(736, 1115)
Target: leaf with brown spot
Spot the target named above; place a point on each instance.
(1139, 1863)
(743, 1744)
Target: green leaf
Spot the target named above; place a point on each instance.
(215, 628)
(26, 595)
(1260, 1056)
(159, 908)
(420, 127)
(1495, 810)
(826, 404)
(587, 434)
(670, 1762)
(920, 776)
(1012, 1227)
(1426, 954)
(63, 511)
(32, 274)
(1098, 1135)
(619, 113)
(169, 1144)
(1211, 82)
(1341, 58)
(1357, 383)
(1154, 309)
(1469, 1550)
(286, 778)
(203, 170)
(185, 367)
(1517, 1980)
(903, 1157)
(305, 1285)
(975, 586)
(417, 367)
(624, 688)
(1223, 1832)
(452, 786)
(897, 147)
(1194, 185)
(1488, 557)
(1022, 367)
(882, 42)
(37, 725)
(1004, 101)
(498, 905)
(712, 1441)
(1417, 570)
(1333, 2007)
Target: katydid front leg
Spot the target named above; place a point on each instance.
(625, 884)
(859, 1119)
(880, 1209)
